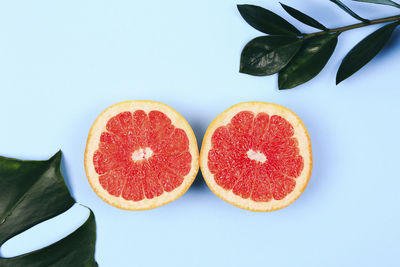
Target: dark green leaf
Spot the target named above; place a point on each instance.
(364, 51)
(32, 192)
(266, 21)
(381, 2)
(267, 55)
(309, 61)
(300, 16)
(348, 10)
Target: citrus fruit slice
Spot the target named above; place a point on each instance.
(141, 155)
(257, 156)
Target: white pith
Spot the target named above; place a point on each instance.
(141, 154)
(256, 155)
(300, 134)
(99, 126)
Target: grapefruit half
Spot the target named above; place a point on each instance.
(257, 156)
(141, 155)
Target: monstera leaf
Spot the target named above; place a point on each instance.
(30, 193)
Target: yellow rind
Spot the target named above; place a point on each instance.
(176, 193)
(221, 192)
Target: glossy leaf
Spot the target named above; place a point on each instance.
(266, 21)
(267, 55)
(380, 2)
(348, 10)
(364, 51)
(300, 16)
(32, 192)
(309, 61)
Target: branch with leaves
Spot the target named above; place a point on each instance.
(298, 57)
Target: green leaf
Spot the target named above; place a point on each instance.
(267, 55)
(380, 2)
(33, 192)
(348, 10)
(300, 16)
(365, 51)
(266, 21)
(309, 61)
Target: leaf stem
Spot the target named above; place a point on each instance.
(354, 26)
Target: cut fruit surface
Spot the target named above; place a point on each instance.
(141, 155)
(257, 156)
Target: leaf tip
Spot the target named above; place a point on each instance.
(59, 153)
(283, 87)
(340, 77)
(57, 156)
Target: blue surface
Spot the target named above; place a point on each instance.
(63, 62)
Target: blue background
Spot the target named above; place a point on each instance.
(63, 62)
